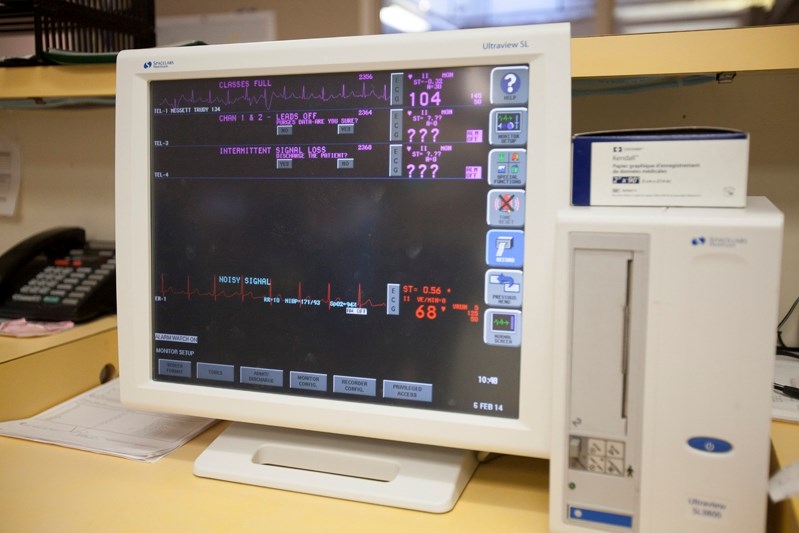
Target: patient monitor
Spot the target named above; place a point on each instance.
(361, 251)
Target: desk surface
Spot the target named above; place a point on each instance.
(784, 516)
(48, 488)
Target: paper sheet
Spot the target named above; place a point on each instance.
(96, 421)
(784, 484)
(21, 327)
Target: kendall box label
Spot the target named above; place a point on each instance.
(697, 168)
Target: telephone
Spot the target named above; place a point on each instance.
(57, 275)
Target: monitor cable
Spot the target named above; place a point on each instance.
(790, 351)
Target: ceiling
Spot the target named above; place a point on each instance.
(588, 17)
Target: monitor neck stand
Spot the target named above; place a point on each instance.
(412, 476)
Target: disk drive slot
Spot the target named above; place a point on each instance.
(605, 374)
(600, 340)
(625, 356)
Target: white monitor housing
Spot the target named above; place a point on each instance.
(346, 240)
(665, 333)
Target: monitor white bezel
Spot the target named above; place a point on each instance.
(545, 49)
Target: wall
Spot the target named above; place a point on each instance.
(67, 171)
(68, 154)
(295, 20)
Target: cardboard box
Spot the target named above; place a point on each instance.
(696, 167)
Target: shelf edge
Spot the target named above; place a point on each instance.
(74, 81)
(705, 51)
(761, 48)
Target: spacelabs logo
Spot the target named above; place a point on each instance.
(158, 64)
(718, 242)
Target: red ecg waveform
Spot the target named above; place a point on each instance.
(245, 293)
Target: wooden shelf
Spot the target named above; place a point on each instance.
(763, 48)
(760, 48)
(14, 348)
(40, 372)
(75, 81)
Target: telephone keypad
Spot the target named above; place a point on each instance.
(66, 282)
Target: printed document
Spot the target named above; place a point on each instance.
(96, 421)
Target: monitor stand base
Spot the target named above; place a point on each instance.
(411, 476)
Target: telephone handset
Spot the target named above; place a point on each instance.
(57, 275)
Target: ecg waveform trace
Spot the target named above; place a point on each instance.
(267, 96)
(241, 292)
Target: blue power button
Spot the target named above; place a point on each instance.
(584, 514)
(710, 444)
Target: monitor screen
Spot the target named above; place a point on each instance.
(352, 236)
(344, 248)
